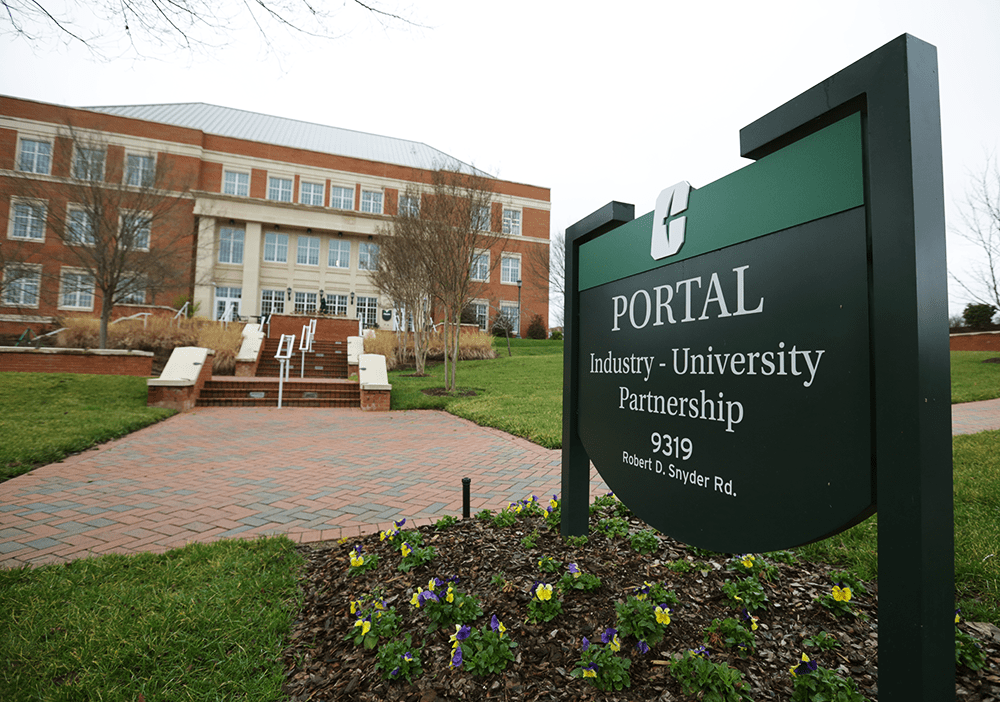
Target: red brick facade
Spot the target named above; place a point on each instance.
(89, 361)
(986, 341)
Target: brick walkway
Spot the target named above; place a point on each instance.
(231, 472)
(311, 474)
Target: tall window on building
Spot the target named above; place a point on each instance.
(226, 298)
(279, 189)
(21, 285)
(367, 256)
(337, 304)
(89, 164)
(28, 221)
(230, 245)
(340, 254)
(305, 302)
(482, 310)
(275, 247)
(236, 183)
(512, 313)
(341, 198)
(409, 206)
(311, 193)
(481, 267)
(481, 219)
(512, 222)
(79, 228)
(272, 302)
(77, 290)
(510, 269)
(134, 230)
(36, 156)
(308, 251)
(367, 309)
(139, 170)
(371, 201)
(132, 292)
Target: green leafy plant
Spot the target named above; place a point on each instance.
(613, 527)
(544, 605)
(710, 681)
(398, 660)
(812, 683)
(444, 605)
(644, 620)
(730, 633)
(485, 515)
(548, 564)
(679, 566)
(488, 650)
(601, 666)
(823, 641)
(844, 578)
(750, 564)
(498, 579)
(838, 601)
(786, 557)
(361, 563)
(504, 518)
(576, 541)
(445, 522)
(968, 652)
(531, 540)
(373, 621)
(576, 579)
(415, 556)
(610, 504)
(645, 541)
(553, 514)
(746, 593)
(395, 535)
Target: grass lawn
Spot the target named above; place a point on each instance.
(973, 380)
(45, 417)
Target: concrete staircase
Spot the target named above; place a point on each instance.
(328, 359)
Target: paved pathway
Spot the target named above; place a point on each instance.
(234, 472)
(311, 474)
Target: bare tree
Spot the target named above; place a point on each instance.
(103, 25)
(980, 216)
(549, 264)
(125, 229)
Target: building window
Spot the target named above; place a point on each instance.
(28, 221)
(230, 245)
(512, 222)
(21, 285)
(337, 305)
(371, 201)
(305, 302)
(272, 302)
(482, 311)
(132, 292)
(89, 164)
(311, 194)
(481, 219)
(367, 256)
(279, 189)
(511, 312)
(36, 156)
(226, 298)
(276, 247)
(77, 290)
(139, 170)
(236, 183)
(308, 251)
(510, 269)
(367, 308)
(409, 206)
(134, 230)
(340, 254)
(80, 228)
(341, 198)
(481, 267)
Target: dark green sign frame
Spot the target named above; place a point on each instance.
(860, 152)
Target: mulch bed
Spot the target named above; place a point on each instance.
(322, 665)
(441, 392)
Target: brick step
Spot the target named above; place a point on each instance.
(273, 402)
(243, 392)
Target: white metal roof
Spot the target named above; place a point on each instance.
(252, 126)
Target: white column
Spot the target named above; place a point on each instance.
(251, 268)
(204, 291)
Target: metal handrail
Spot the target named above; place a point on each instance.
(182, 310)
(144, 315)
(308, 332)
(286, 347)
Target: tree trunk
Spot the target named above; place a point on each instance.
(102, 342)
(444, 337)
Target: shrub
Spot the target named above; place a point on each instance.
(536, 328)
(474, 346)
(979, 316)
(556, 335)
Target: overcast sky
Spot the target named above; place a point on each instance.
(597, 101)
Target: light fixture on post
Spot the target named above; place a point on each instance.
(352, 297)
(519, 308)
(309, 230)
(370, 237)
(321, 294)
(289, 293)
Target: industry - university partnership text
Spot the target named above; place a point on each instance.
(678, 303)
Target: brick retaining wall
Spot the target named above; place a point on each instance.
(90, 361)
(983, 341)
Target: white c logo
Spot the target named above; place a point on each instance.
(667, 241)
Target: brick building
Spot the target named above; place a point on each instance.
(277, 214)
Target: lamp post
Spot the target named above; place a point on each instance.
(519, 336)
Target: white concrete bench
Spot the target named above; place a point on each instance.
(374, 381)
(182, 378)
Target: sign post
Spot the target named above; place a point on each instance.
(763, 362)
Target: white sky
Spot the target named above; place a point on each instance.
(597, 101)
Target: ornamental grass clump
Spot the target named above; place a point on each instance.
(601, 666)
(544, 605)
(710, 681)
(444, 605)
(486, 650)
(398, 660)
(810, 682)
